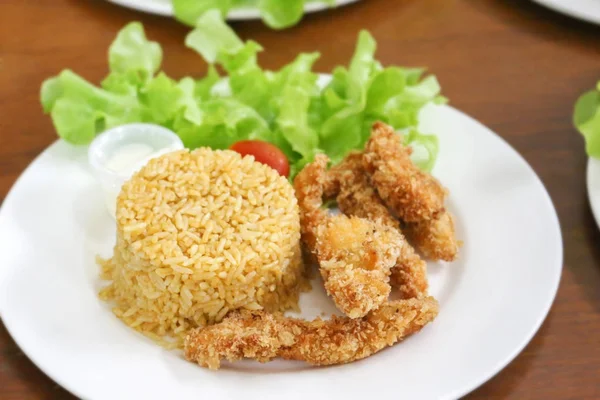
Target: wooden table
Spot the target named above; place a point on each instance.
(513, 65)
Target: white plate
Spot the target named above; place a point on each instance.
(163, 7)
(587, 10)
(493, 300)
(593, 186)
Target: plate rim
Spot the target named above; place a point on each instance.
(240, 14)
(475, 383)
(557, 278)
(567, 8)
(593, 169)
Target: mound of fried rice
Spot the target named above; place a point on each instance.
(198, 234)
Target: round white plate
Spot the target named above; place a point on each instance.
(587, 10)
(492, 300)
(593, 186)
(163, 7)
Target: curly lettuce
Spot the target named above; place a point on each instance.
(291, 107)
(277, 14)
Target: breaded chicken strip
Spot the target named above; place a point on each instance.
(415, 196)
(356, 197)
(435, 238)
(412, 194)
(309, 186)
(262, 336)
(355, 255)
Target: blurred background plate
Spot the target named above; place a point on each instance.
(593, 184)
(163, 7)
(587, 10)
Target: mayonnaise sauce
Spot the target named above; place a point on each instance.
(126, 161)
(117, 154)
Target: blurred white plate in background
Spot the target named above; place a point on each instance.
(163, 7)
(593, 186)
(587, 10)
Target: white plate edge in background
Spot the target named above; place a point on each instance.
(593, 187)
(586, 10)
(163, 7)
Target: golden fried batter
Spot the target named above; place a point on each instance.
(355, 255)
(262, 336)
(309, 186)
(360, 253)
(412, 194)
(435, 238)
(356, 196)
(415, 196)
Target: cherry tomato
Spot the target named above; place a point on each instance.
(265, 153)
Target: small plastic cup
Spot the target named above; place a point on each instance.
(129, 148)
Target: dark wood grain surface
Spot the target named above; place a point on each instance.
(513, 65)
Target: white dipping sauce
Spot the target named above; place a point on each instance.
(126, 160)
(119, 153)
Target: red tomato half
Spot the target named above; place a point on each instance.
(265, 153)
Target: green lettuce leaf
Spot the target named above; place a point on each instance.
(343, 130)
(277, 14)
(212, 36)
(586, 118)
(132, 52)
(162, 98)
(79, 110)
(366, 92)
(287, 107)
(126, 83)
(426, 146)
(282, 98)
(188, 11)
(297, 93)
(292, 121)
(222, 123)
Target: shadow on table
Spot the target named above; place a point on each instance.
(506, 382)
(17, 370)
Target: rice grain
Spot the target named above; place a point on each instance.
(198, 234)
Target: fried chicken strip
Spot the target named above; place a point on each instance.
(415, 196)
(435, 239)
(355, 255)
(356, 197)
(262, 336)
(412, 194)
(309, 186)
